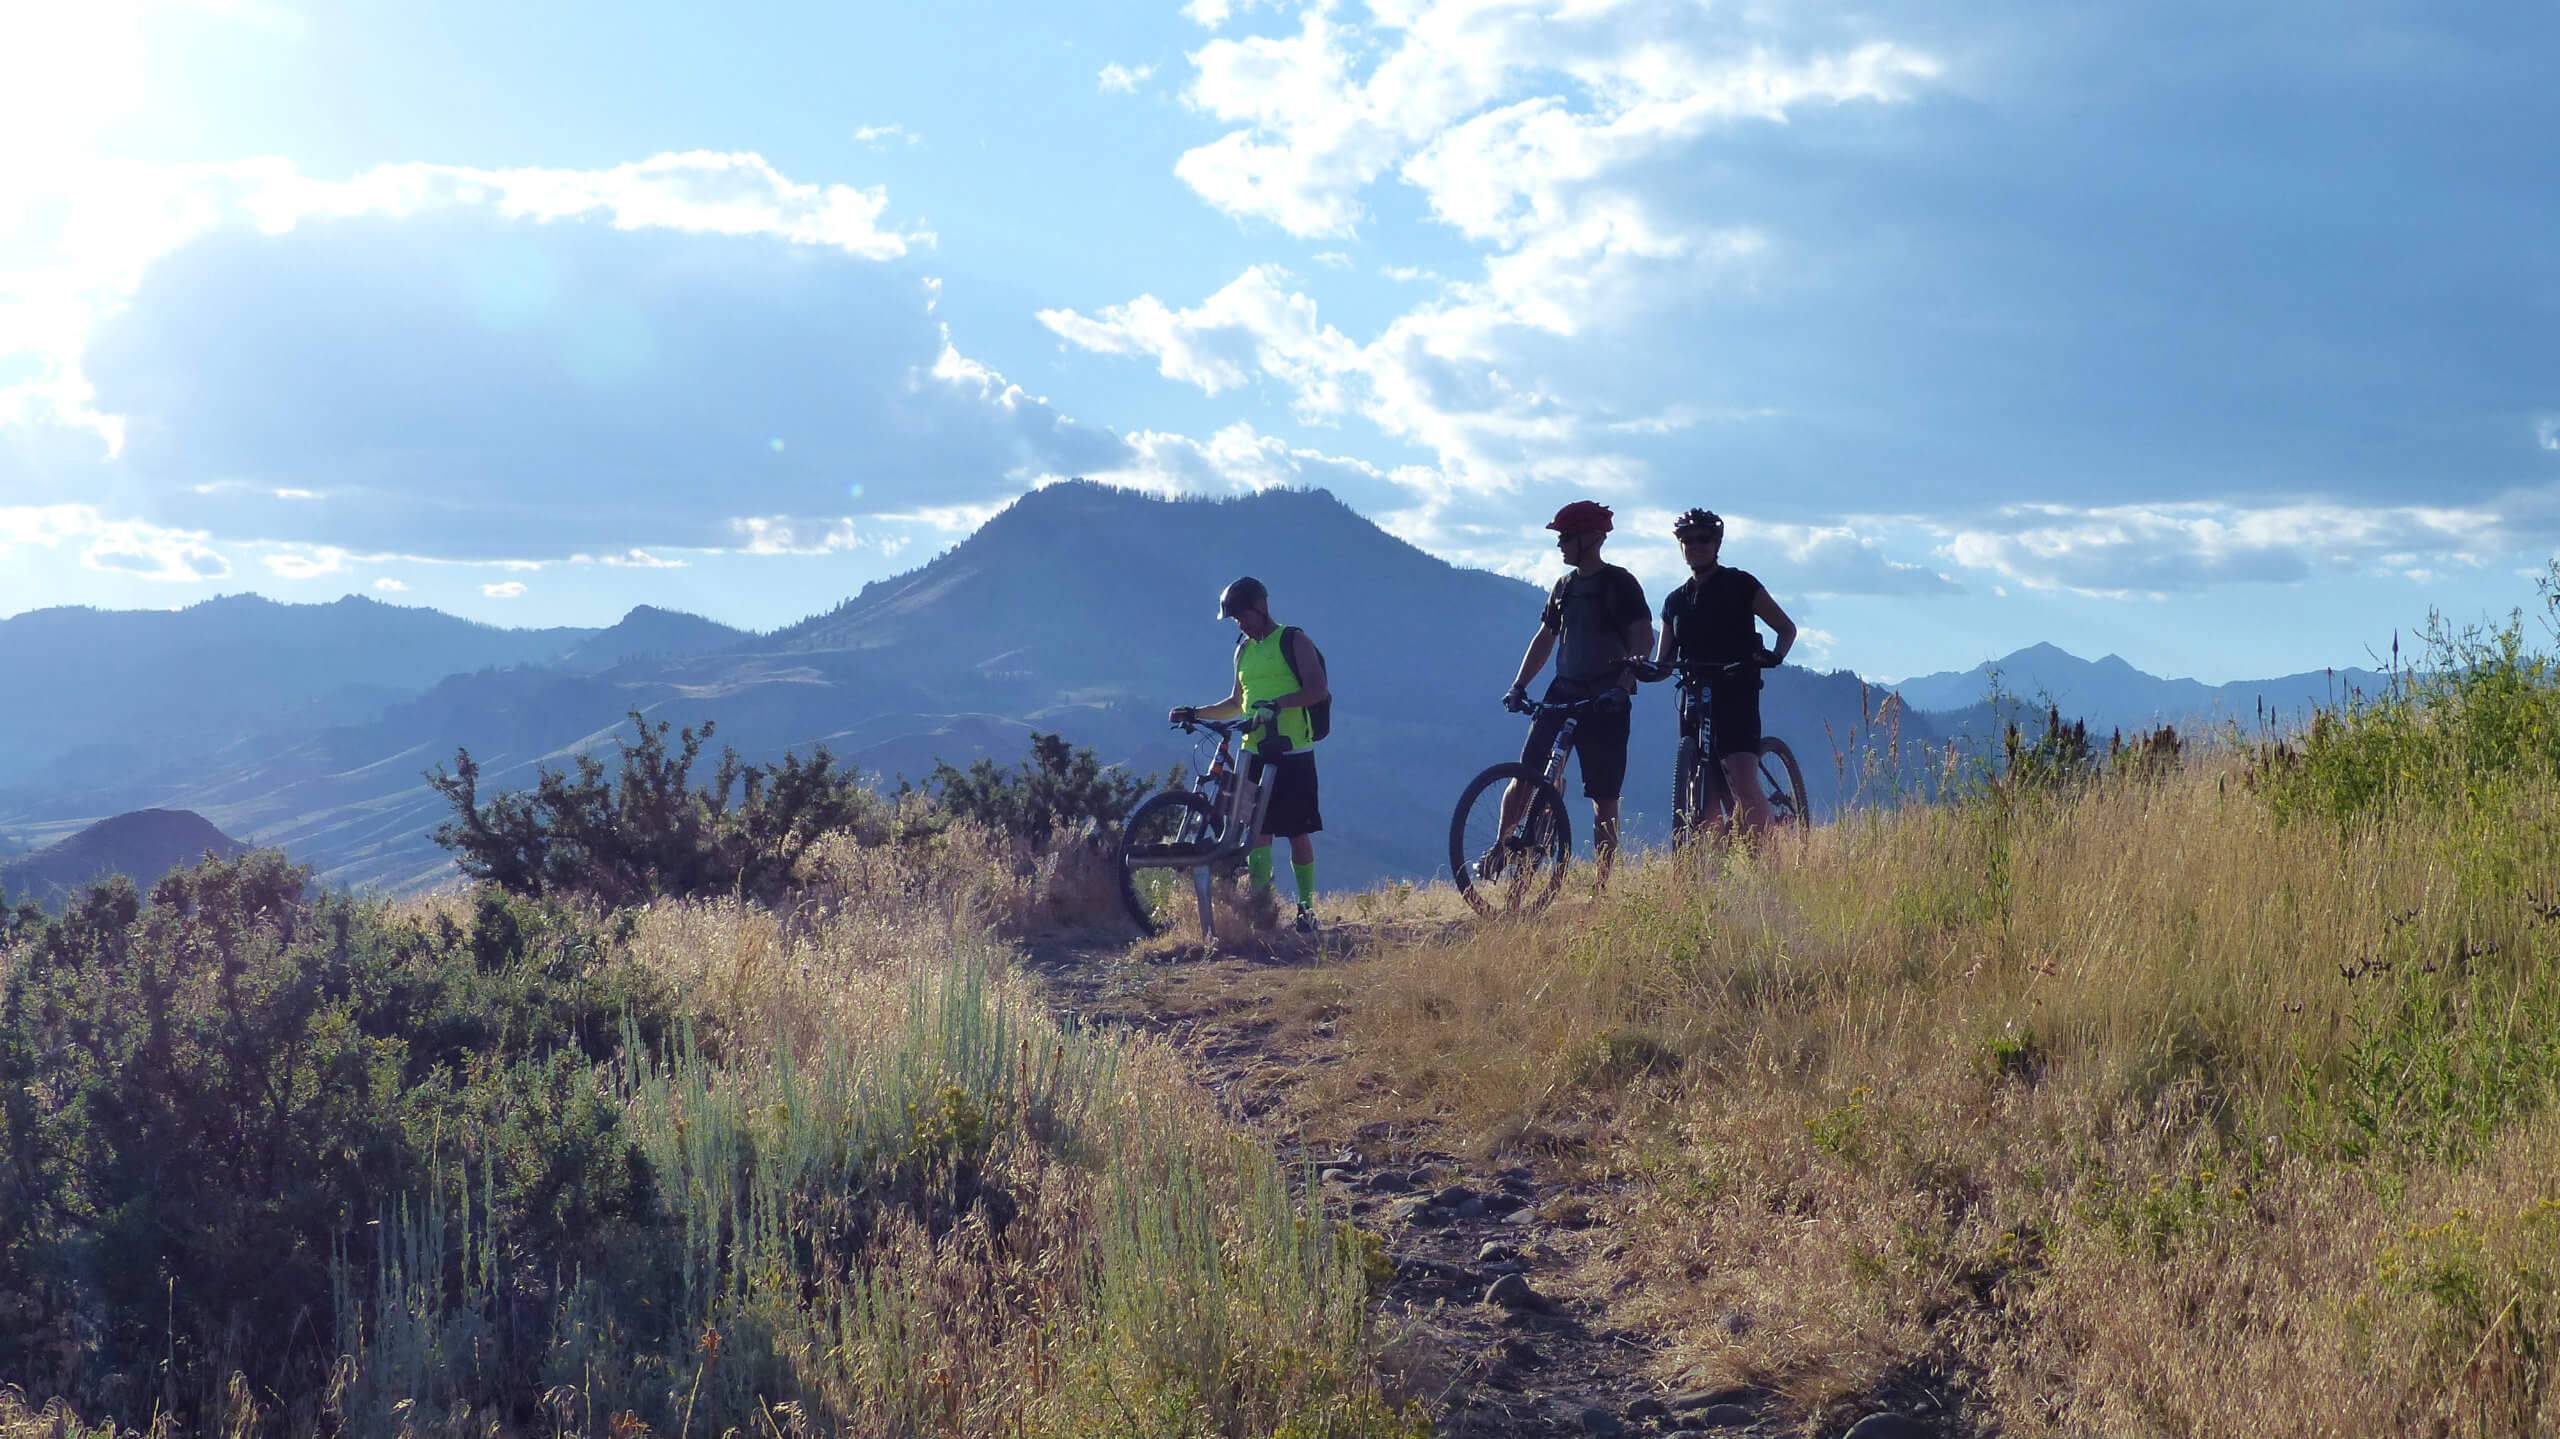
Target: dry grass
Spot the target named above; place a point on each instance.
(896, 1198)
(2113, 1109)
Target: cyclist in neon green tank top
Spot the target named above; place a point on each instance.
(1281, 684)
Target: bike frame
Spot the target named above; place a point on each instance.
(1243, 805)
(1698, 716)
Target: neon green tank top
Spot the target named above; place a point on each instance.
(1263, 670)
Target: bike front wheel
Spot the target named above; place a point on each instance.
(1697, 792)
(1172, 823)
(1512, 869)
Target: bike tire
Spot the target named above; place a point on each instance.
(1690, 797)
(1777, 765)
(1174, 818)
(1545, 830)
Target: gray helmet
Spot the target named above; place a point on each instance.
(1245, 594)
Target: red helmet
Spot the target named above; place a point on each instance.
(1582, 517)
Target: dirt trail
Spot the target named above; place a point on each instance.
(1499, 1305)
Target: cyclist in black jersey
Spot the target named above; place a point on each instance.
(1708, 621)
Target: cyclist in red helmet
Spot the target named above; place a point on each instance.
(1595, 621)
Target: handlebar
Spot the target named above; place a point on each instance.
(1693, 676)
(1605, 700)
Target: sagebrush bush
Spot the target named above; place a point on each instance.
(650, 830)
(206, 1095)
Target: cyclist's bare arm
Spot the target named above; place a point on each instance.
(1227, 708)
(1781, 626)
(1639, 639)
(1668, 645)
(1541, 645)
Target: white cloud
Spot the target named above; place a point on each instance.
(1824, 560)
(791, 535)
(1255, 325)
(2547, 433)
(2146, 551)
(1208, 14)
(152, 553)
(390, 586)
(507, 590)
(886, 134)
(119, 546)
(1466, 98)
(1122, 79)
(306, 562)
(1238, 459)
(947, 519)
(118, 216)
(1525, 127)
(631, 559)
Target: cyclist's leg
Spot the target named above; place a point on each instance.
(1737, 725)
(1533, 752)
(1296, 815)
(1750, 801)
(1600, 747)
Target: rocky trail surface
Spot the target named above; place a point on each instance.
(1499, 1310)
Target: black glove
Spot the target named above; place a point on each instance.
(1186, 715)
(1650, 671)
(1516, 699)
(1767, 659)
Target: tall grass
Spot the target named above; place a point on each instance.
(945, 1216)
(2216, 1100)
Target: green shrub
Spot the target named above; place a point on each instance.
(2477, 720)
(1057, 789)
(648, 832)
(208, 1096)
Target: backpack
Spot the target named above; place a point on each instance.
(1319, 714)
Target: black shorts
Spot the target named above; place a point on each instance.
(1292, 810)
(1734, 707)
(1599, 745)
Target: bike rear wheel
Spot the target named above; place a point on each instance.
(1513, 871)
(1783, 782)
(1174, 822)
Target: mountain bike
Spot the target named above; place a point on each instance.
(1196, 828)
(1516, 868)
(1701, 797)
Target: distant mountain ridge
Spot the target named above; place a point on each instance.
(142, 846)
(1081, 609)
(2111, 694)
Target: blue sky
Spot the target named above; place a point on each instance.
(2225, 338)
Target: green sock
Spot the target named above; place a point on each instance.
(1257, 863)
(1306, 874)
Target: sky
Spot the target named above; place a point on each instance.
(2225, 338)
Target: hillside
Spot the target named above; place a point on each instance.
(159, 689)
(142, 846)
(646, 633)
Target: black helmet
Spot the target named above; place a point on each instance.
(1691, 523)
(1245, 594)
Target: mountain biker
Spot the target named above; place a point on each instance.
(1277, 687)
(1707, 622)
(1595, 621)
